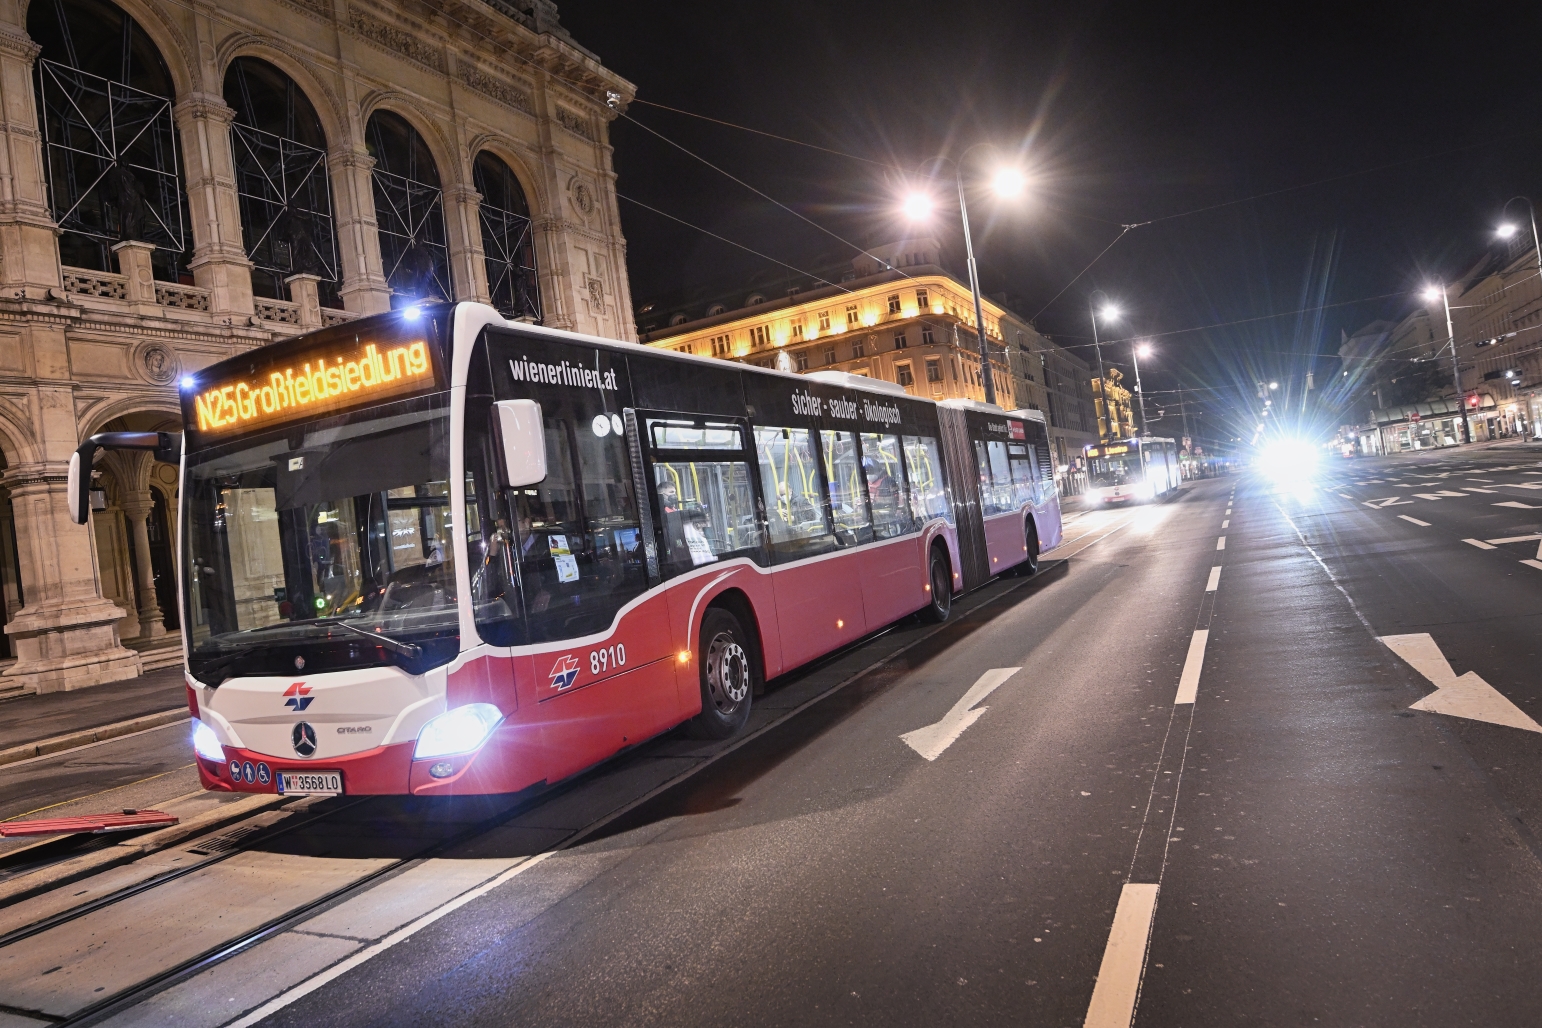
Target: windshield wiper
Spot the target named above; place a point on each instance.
(222, 662)
(411, 651)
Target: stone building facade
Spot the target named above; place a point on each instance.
(896, 315)
(183, 181)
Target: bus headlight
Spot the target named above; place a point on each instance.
(457, 731)
(205, 744)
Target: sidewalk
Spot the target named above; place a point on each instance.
(30, 719)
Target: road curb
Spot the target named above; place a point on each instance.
(66, 871)
(70, 740)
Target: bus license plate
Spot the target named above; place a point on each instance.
(310, 783)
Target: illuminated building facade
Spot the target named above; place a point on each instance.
(188, 181)
(1115, 414)
(898, 316)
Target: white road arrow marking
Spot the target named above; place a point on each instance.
(1468, 696)
(1518, 503)
(932, 740)
(1523, 485)
(1479, 543)
(1385, 501)
(1475, 489)
(1516, 539)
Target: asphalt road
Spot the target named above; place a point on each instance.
(949, 841)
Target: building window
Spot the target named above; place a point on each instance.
(760, 335)
(824, 321)
(894, 306)
(851, 315)
(903, 376)
(721, 345)
(857, 349)
(797, 330)
(922, 303)
(281, 181)
(927, 337)
(899, 341)
(715, 310)
(508, 243)
(933, 370)
(677, 319)
(800, 360)
(409, 211)
(109, 141)
(829, 356)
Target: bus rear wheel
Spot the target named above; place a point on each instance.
(1030, 565)
(727, 676)
(941, 591)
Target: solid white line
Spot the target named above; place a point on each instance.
(1220, 543)
(1124, 959)
(1516, 539)
(1414, 521)
(1225, 524)
(337, 970)
(932, 740)
(1188, 682)
(1215, 579)
(1479, 543)
(92, 745)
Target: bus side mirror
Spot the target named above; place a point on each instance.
(524, 442)
(167, 447)
(78, 489)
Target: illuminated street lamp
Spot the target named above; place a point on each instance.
(1109, 313)
(1431, 294)
(1141, 350)
(1008, 183)
(1508, 229)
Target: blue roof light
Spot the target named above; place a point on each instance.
(412, 313)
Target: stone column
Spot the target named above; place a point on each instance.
(66, 635)
(303, 290)
(364, 287)
(29, 250)
(151, 620)
(468, 262)
(219, 261)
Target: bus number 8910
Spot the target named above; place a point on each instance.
(603, 660)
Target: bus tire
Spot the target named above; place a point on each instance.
(941, 579)
(1030, 565)
(727, 676)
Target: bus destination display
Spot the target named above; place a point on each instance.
(312, 384)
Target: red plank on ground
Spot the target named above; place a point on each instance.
(125, 821)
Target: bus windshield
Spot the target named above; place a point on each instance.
(1112, 471)
(324, 547)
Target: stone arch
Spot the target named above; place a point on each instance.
(509, 152)
(414, 174)
(167, 414)
(135, 536)
(18, 443)
(175, 48)
(288, 60)
(452, 172)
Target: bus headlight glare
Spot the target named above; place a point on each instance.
(205, 744)
(457, 731)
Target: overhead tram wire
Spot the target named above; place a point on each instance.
(724, 239)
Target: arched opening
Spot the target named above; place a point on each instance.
(134, 517)
(11, 596)
(285, 194)
(110, 145)
(507, 240)
(409, 210)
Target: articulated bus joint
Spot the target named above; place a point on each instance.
(166, 447)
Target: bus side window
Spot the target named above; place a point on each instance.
(490, 536)
(843, 470)
(706, 496)
(882, 463)
(1024, 474)
(797, 515)
(928, 493)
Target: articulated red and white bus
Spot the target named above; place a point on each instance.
(437, 552)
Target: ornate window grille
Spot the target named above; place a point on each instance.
(409, 210)
(508, 241)
(282, 182)
(110, 147)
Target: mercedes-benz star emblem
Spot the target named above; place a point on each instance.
(304, 739)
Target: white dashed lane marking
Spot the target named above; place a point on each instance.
(1220, 543)
(1414, 521)
(1215, 579)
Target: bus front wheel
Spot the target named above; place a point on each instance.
(727, 676)
(941, 591)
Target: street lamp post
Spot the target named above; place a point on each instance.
(1139, 351)
(1008, 182)
(1507, 230)
(1109, 312)
(1456, 374)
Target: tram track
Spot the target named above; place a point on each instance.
(122, 999)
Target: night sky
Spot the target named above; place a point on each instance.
(1121, 113)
